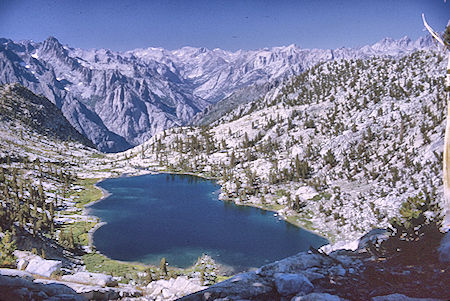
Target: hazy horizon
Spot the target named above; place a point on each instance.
(228, 25)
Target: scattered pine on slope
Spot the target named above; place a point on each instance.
(337, 149)
(40, 153)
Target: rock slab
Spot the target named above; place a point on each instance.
(291, 284)
(173, 289)
(317, 297)
(35, 264)
(401, 297)
(97, 279)
(43, 267)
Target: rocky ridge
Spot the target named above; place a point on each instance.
(19, 104)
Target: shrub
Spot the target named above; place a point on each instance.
(416, 234)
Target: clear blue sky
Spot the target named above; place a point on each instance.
(231, 24)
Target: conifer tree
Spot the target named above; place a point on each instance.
(232, 159)
(148, 277)
(7, 248)
(71, 240)
(329, 158)
(163, 266)
(2, 175)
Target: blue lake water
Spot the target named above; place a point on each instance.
(180, 217)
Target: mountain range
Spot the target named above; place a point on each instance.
(121, 99)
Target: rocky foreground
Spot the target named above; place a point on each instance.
(377, 270)
(381, 268)
(40, 281)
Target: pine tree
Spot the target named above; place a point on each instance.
(289, 201)
(329, 158)
(446, 36)
(71, 240)
(232, 159)
(445, 42)
(163, 266)
(148, 277)
(246, 141)
(2, 175)
(7, 248)
(61, 237)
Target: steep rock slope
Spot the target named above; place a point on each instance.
(122, 99)
(20, 105)
(40, 77)
(226, 105)
(341, 275)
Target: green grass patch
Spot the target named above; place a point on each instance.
(222, 278)
(98, 156)
(98, 263)
(80, 231)
(293, 219)
(318, 197)
(280, 193)
(302, 222)
(88, 194)
(103, 170)
(65, 212)
(305, 223)
(273, 207)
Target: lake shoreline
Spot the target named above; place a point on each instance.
(100, 223)
(298, 224)
(205, 193)
(106, 193)
(262, 207)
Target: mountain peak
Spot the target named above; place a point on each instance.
(51, 40)
(390, 44)
(51, 44)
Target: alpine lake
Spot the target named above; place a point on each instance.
(180, 217)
